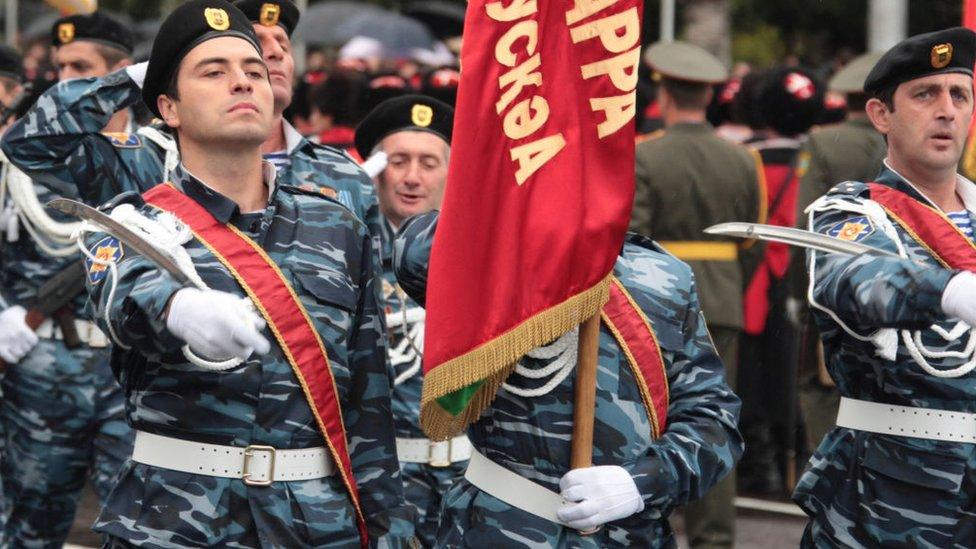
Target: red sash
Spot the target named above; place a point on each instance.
(264, 283)
(632, 330)
(927, 226)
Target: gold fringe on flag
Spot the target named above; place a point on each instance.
(492, 361)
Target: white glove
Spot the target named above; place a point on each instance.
(216, 325)
(16, 338)
(959, 298)
(137, 72)
(599, 495)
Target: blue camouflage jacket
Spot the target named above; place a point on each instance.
(869, 490)
(326, 254)
(532, 435)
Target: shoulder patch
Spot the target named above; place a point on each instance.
(123, 140)
(109, 250)
(854, 229)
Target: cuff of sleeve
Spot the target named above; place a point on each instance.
(656, 481)
(153, 304)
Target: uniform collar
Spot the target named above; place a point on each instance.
(965, 188)
(222, 208)
(293, 139)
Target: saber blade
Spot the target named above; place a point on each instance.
(795, 237)
(123, 234)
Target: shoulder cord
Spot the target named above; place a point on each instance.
(564, 351)
(886, 339)
(42, 228)
(411, 326)
(168, 144)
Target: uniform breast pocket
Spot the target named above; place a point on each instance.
(333, 303)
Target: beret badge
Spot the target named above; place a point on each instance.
(421, 115)
(217, 18)
(941, 55)
(66, 32)
(270, 13)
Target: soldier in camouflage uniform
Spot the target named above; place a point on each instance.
(414, 132)
(59, 141)
(62, 411)
(897, 470)
(528, 431)
(321, 249)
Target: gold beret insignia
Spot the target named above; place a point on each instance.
(217, 18)
(270, 13)
(421, 115)
(941, 55)
(66, 32)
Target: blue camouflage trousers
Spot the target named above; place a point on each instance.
(424, 488)
(63, 419)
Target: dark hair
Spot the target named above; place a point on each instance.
(887, 96)
(172, 89)
(744, 108)
(687, 95)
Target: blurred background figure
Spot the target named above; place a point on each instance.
(789, 100)
(689, 179)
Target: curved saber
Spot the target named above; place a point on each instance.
(124, 235)
(795, 237)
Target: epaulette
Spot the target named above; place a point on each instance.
(127, 197)
(649, 137)
(850, 188)
(123, 140)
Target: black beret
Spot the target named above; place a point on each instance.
(94, 27)
(949, 50)
(185, 28)
(279, 12)
(11, 63)
(404, 113)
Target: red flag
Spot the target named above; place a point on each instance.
(969, 14)
(539, 192)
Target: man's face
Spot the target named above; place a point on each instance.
(225, 97)
(281, 65)
(413, 181)
(930, 120)
(80, 59)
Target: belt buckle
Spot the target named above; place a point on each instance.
(440, 463)
(248, 452)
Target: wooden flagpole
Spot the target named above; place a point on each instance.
(584, 406)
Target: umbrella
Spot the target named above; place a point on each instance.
(398, 34)
(325, 17)
(445, 19)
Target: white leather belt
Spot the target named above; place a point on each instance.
(435, 454)
(906, 421)
(512, 488)
(256, 465)
(88, 332)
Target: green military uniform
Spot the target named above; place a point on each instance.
(851, 151)
(689, 179)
